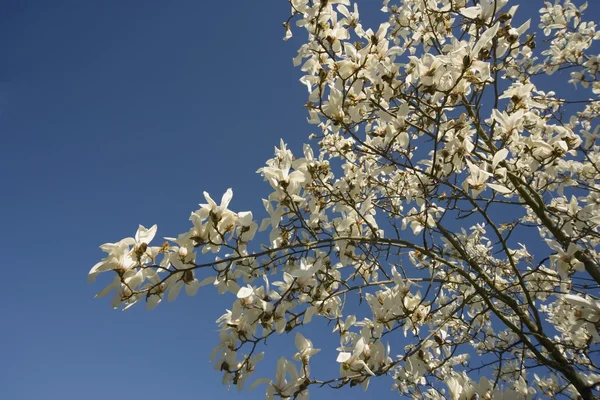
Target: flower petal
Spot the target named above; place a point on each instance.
(226, 199)
(245, 292)
(144, 235)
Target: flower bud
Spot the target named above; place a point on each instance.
(183, 252)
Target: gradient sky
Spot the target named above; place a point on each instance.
(118, 113)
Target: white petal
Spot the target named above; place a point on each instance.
(101, 266)
(297, 176)
(360, 347)
(116, 300)
(152, 302)
(144, 235)
(192, 288)
(174, 291)
(301, 342)
(114, 285)
(471, 12)
(366, 367)
(499, 156)
(554, 246)
(280, 325)
(245, 218)
(484, 40)
(310, 311)
(211, 203)
(258, 382)
(245, 292)
(207, 281)
(499, 188)
(343, 357)
(226, 199)
(578, 301)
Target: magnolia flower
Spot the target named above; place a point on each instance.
(275, 216)
(508, 124)
(300, 276)
(521, 96)
(344, 328)
(280, 177)
(351, 363)
(188, 280)
(305, 349)
(415, 368)
(484, 41)
(476, 180)
(248, 226)
(334, 106)
(210, 208)
(145, 236)
(565, 261)
(120, 257)
(281, 386)
(246, 293)
(460, 387)
(588, 314)
(419, 220)
(350, 18)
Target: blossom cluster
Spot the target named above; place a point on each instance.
(438, 166)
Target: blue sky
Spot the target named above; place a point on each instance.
(114, 114)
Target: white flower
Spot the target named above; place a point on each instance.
(144, 235)
(588, 313)
(211, 208)
(460, 387)
(119, 258)
(565, 261)
(280, 177)
(305, 349)
(476, 180)
(351, 363)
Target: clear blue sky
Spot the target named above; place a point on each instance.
(113, 114)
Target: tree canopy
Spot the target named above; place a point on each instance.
(443, 219)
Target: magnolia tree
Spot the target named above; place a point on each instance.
(444, 221)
